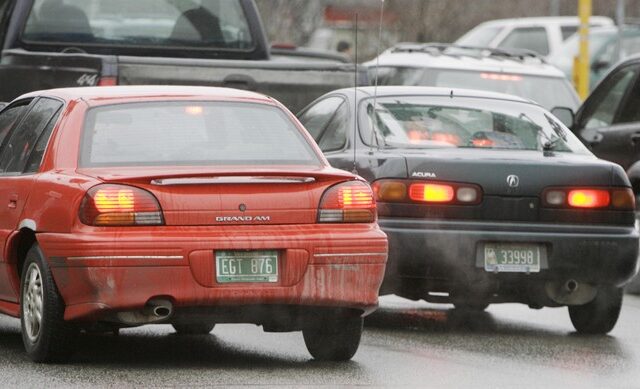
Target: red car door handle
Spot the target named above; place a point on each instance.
(13, 201)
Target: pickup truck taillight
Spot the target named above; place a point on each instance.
(590, 198)
(349, 202)
(120, 205)
(108, 81)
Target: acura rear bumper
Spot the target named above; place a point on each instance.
(448, 252)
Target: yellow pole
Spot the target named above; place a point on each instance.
(582, 65)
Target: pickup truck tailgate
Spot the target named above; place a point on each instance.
(295, 85)
(23, 71)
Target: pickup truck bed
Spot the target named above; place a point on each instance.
(293, 84)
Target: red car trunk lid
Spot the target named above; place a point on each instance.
(192, 197)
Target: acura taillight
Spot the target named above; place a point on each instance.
(431, 193)
(120, 205)
(590, 198)
(349, 202)
(405, 191)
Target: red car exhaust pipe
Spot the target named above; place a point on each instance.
(160, 308)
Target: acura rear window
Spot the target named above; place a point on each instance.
(192, 133)
(463, 122)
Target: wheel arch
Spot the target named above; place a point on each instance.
(18, 246)
(634, 177)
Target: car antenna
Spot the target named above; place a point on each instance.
(375, 85)
(355, 97)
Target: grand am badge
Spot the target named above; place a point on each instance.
(242, 219)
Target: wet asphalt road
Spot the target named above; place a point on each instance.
(405, 344)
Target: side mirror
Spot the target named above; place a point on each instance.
(599, 66)
(565, 115)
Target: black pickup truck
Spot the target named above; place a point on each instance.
(63, 43)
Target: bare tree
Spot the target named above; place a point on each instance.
(419, 20)
(291, 21)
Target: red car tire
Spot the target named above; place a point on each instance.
(45, 334)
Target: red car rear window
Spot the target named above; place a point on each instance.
(192, 133)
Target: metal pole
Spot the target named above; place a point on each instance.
(554, 7)
(583, 66)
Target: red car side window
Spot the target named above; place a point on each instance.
(38, 152)
(23, 138)
(8, 119)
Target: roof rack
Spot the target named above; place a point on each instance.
(467, 51)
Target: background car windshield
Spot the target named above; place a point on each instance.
(409, 121)
(529, 87)
(394, 75)
(192, 133)
(191, 23)
(480, 36)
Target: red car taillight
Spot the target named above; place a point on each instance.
(590, 198)
(399, 191)
(120, 205)
(349, 202)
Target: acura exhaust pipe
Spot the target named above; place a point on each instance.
(571, 286)
(570, 292)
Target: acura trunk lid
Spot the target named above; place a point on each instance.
(512, 184)
(511, 173)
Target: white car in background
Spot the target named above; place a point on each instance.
(515, 72)
(542, 35)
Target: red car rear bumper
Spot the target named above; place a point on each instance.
(99, 272)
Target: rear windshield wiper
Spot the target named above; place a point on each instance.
(375, 134)
(560, 135)
(551, 144)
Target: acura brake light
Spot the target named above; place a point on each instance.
(431, 193)
(349, 202)
(590, 198)
(119, 205)
(409, 191)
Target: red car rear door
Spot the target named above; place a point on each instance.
(20, 156)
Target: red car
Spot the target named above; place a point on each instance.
(128, 206)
